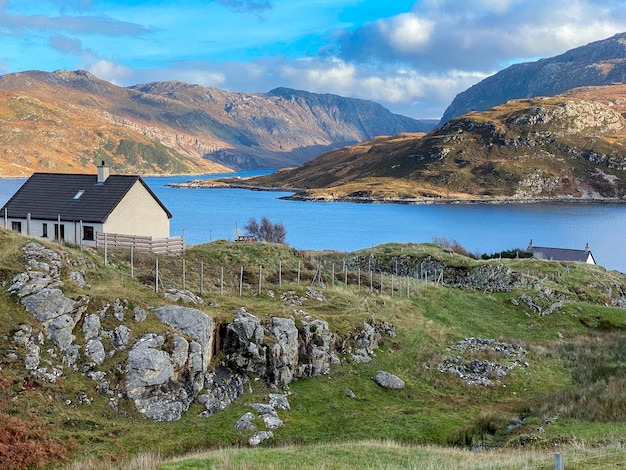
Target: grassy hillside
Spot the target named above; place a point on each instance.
(569, 396)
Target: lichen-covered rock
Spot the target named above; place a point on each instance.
(243, 344)
(259, 437)
(317, 349)
(222, 386)
(388, 380)
(58, 314)
(279, 401)
(95, 351)
(191, 322)
(151, 382)
(245, 422)
(91, 326)
(283, 353)
(183, 295)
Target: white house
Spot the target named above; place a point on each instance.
(74, 207)
(561, 254)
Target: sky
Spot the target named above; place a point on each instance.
(412, 57)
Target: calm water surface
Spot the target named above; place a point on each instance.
(202, 215)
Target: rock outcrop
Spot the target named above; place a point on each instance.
(166, 370)
(277, 351)
(469, 363)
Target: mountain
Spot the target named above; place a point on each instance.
(569, 146)
(598, 63)
(68, 121)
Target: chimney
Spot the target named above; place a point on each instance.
(587, 249)
(103, 173)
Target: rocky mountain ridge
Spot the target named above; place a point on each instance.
(533, 149)
(596, 64)
(68, 121)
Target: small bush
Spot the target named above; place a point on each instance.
(452, 246)
(266, 231)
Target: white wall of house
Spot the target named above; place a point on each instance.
(71, 232)
(138, 214)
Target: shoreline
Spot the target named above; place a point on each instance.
(300, 195)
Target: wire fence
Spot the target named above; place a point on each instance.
(199, 277)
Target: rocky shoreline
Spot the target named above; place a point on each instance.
(302, 195)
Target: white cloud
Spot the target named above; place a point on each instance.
(407, 32)
(110, 71)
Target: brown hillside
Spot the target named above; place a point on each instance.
(173, 127)
(525, 149)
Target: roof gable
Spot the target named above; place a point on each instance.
(73, 197)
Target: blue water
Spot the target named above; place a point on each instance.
(202, 215)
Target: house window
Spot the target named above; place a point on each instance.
(59, 231)
(88, 232)
(17, 226)
(44, 230)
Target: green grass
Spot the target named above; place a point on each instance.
(574, 356)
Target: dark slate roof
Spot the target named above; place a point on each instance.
(50, 195)
(560, 254)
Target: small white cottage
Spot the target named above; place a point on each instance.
(561, 254)
(75, 207)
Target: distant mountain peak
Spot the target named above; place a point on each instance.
(67, 120)
(595, 64)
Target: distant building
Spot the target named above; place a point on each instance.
(561, 254)
(75, 207)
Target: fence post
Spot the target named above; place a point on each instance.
(391, 284)
(559, 463)
(260, 276)
(156, 275)
(222, 281)
(359, 277)
(280, 274)
(241, 282)
(184, 274)
(298, 272)
(382, 288)
(332, 276)
(408, 289)
(201, 276)
(345, 274)
(105, 247)
(132, 263)
(371, 281)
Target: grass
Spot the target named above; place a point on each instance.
(575, 367)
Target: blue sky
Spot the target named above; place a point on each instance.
(411, 56)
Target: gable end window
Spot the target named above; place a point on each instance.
(88, 232)
(16, 226)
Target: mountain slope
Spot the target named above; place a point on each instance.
(172, 127)
(598, 63)
(524, 149)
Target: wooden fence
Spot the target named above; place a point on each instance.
(144, 244)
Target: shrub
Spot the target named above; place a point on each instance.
(452, 246)
(510, 254)
(266, 231)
